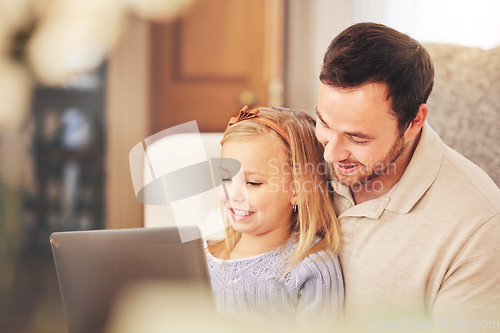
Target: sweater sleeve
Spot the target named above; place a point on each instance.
(320, 290)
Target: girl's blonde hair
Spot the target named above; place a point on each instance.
(315, 215)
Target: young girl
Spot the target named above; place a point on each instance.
(278, 261)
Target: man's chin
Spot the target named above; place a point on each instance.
(355, 180)
(349, 181)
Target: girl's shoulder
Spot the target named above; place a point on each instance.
(317, 273)
(321, 264)
(292, 244)
(320, 260)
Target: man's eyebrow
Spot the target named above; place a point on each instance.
(360, 135)
(352, 134)
(321, 118)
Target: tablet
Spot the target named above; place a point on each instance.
(94, 267)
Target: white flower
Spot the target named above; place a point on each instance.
(19, 14)
(74, 36)
(158, 10)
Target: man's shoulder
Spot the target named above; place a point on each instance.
(454, 179)
(467, 180)
(442, 184)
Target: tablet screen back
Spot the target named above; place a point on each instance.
(93, 267)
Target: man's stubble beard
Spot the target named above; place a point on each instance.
(383, 166)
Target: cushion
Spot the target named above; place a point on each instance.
(464, 107)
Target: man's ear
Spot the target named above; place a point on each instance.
(418, 122)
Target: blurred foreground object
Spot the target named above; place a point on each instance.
(175, 307)
(158, 10)
(75, 36)
(52, 42)
(15, 93)
(161, 307)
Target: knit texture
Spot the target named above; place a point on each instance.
(257, 289)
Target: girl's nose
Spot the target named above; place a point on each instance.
(237, 191)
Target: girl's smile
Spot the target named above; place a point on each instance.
(239, 215)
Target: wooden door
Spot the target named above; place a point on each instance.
(218, 56)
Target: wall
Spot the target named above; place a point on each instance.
(127, 121)
(313, 24)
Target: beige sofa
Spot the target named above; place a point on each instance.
(465, 102)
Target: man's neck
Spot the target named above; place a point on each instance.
(383, 183)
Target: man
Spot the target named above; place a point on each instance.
(420, 223)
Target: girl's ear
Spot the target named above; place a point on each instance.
(294, 200)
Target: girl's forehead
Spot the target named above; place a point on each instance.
(262, 153)
(268, 142)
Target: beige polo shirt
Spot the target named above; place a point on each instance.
(428, 251)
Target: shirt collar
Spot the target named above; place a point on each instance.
(421, 172)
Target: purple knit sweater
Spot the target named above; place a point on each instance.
(254, 288)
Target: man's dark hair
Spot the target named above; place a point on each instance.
(374, 53)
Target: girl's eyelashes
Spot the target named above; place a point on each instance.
(251, 184)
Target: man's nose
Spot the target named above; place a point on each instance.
(335, 149)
